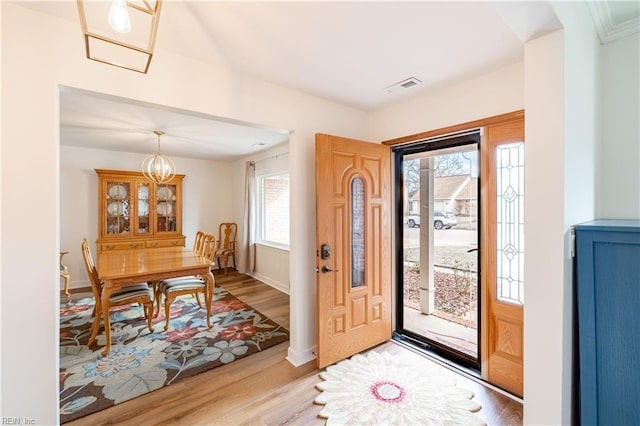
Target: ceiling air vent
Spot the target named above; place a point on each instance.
(404, 84)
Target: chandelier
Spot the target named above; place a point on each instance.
(128, 39)
(158, 168)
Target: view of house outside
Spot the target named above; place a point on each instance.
(454, 204)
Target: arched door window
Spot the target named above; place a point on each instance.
(357, 232)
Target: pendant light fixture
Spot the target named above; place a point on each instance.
(157, 167)
(130, 36)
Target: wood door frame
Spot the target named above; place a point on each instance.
(498, 362)
(498, 122)
(457, 128)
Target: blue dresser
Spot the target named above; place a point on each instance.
(608, 313)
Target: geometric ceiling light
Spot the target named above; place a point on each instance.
(120, 32)
(158, 168)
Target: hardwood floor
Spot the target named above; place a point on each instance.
(263, 388)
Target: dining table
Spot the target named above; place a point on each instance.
(119, 268)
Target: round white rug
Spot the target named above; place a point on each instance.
(382, 389)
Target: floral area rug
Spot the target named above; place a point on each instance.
(140, 361)
(382, 389)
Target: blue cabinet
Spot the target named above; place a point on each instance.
(608, 313)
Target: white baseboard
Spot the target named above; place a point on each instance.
(273, 283)
(78, 284)
(297, 359)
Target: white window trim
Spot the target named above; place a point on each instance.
(271, 244)
(260, 212)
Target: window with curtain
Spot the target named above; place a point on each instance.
(273, 209)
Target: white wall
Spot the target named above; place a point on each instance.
(272, 267)
(487, 95)
(1, 221)
(562, 96)
(206, 183)
(544, 332)
(41, 52)
(582, 123)
(619, 151)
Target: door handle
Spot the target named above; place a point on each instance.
(325, 270)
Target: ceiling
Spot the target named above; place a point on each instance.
(99, 121)
(347, 52)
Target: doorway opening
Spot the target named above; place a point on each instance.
(438, 246)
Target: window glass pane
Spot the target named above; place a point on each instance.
(510, 222)
(275, 208)
(357, 232)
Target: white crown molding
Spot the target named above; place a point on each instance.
(607, 30)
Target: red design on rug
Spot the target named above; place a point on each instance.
(388, 392)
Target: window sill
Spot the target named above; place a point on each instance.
(273, 245)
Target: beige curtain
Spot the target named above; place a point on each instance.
(247, 243)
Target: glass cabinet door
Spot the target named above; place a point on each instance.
(143, 210)
(166, 208)
(117, 216)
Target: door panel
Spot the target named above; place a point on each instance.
(354, 228)
(503, 190)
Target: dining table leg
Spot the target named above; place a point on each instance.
(105, 296)
(211, 282)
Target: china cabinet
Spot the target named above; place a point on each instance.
(134, 212)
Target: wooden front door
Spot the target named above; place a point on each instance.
(353, 235)
(502, 254)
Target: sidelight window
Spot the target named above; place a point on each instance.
(510, 222)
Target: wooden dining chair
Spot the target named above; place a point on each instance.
(134, 293)
(198, 247)
(226, 248)
(187, 285)
(198, 241)
(201, 243)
